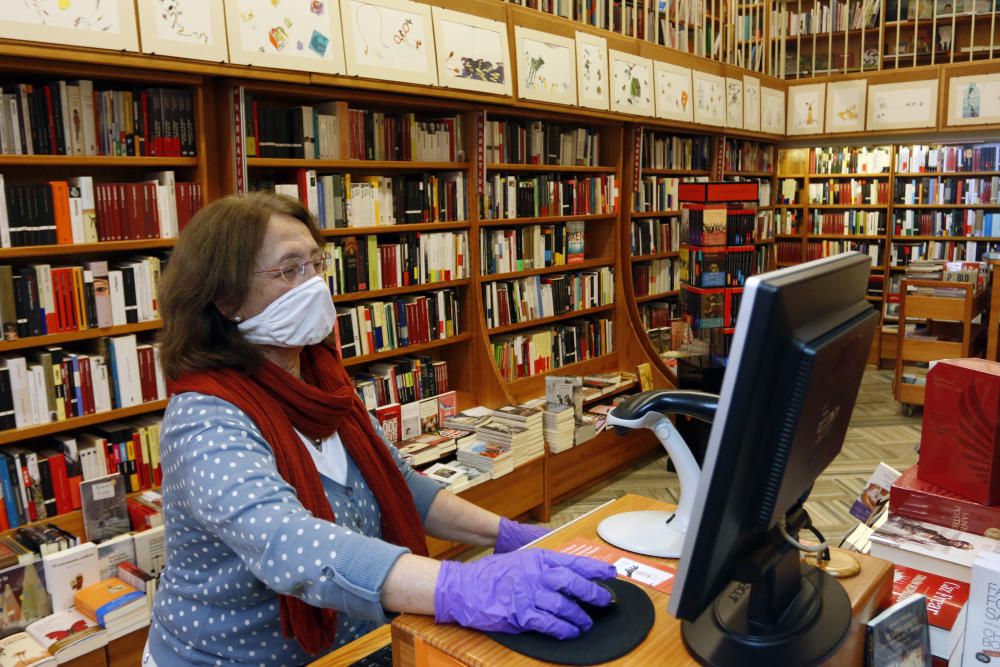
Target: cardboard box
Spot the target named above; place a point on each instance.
(960, 439)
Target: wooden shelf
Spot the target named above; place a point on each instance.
(392, 291)
(570, 169)
(95, 161)
(860, 237)
(84, 248)
(653, 214)
(789, 206)
(70, 336)
(542, 321)
(546, 219)
(620, 389)
(749, 174)
(945, 174)
(656, 255)
(584, 367)
(947, 206)
(655, 297)
(825, 36)
(408, 349)
(945, 238)
(882, 174)
(562, 268)
(850, 206)
(675, 172)
(51, 428)
(402, 227)
(355, 165)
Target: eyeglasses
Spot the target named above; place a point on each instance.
(291, 268)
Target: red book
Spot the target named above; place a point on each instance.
(60, 482)
(391, 418)
(141, 466)
(946, 602)
(960, 438)
(914, 498)
(86, 386)
(60, 208)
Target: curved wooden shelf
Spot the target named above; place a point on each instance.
(508, 222)
(848, 237)
(576, 368)
(542, 321)
(562, 268)
(392, 291)
(654, 214)
(675, 172)
(945, 174)
(409, 349)
(789, 206)
(847, 207)
(821, 36)
(657, 296)
(656, 255)
(370, 165)
(95, 161)
(947, 206)
(944, 238)
(748, 174)
(70, 336)
(38, 430)
(84, 248)
(881, 174)
(402, 227)
(620, 389)
(513, 166)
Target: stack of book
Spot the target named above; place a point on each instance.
(448, 474)
(115, 606)
(24, 651)
(67, 635)
(519, 427)
(473, 476)
(470, 419)
(559, 426)
(495, 459)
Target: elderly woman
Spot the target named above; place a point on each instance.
(292, 525)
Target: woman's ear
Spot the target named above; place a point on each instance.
(229, 312)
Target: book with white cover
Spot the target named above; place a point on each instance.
(69, 571)
(110, 552)
(68, 635)
(151, 549)
(923, 546)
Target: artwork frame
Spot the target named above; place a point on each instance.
(242, 26)
(984, 110)
(734, 103)
(846, 103)
(904, 105)
(121, 34)
(772, 110)
(475, 77)
(709, 98)
(631, 83)
(204, 40)
(674, 99)
(751, 103)
(556, 83)
(394, 54)
(805, 113)
(593, 87)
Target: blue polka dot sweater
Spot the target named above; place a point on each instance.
(237, 535)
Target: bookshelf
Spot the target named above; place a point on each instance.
(756, 162)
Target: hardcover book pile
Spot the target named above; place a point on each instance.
(115, 606)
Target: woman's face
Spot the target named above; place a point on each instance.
(286, 240)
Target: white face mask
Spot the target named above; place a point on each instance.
(301, 316)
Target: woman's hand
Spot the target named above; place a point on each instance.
(513, 535)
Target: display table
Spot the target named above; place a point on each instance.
(418, 641)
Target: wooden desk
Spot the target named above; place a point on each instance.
(418, 641)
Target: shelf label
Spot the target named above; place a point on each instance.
(636, 158)
(720, 158)
(239, 150)
(481, 152)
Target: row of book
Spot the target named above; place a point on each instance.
(77, 210)
(77, 118)
(52, 384)
(664, 151)
(378, 326)
(788, 251)
(715, 225)
(850, 160)
(41, 299)
(401, 380)
(972, 223)
(654, 235)
(742, 155)
(535, 297)
(901, 254)
(764, 226)
(825, 18)
(716, 266)
(514, 141)
(374, 262)
(869, 223)
(656, 193)
(940, 190)
(531, 247)
(787, 221)
(656, 314)
(656, 277)
(513, 196)
(538, 351)
(920, 158)
(818, 249)
(854, 191)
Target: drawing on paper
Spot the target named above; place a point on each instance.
(974, 100)
(673, 90)
(970, 96)
(751, 103)
(388, 38)
(283, 28)
(593, 72)
(93, 15)
(548, 67)
(471, 52)
(772, 110)
(631, 83)
(902, 106)
(845, 102)
(805, 109)
(184, 20)
(709, 99)
(734, 103)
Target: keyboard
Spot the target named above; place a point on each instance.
(379, 658)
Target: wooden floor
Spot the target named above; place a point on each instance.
(878, 432)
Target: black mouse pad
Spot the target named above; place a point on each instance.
(614, 633)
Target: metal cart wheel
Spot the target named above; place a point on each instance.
(908, 409)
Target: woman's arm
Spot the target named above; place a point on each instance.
(452, 518)
(410, 584)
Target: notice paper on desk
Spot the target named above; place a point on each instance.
(631, 567)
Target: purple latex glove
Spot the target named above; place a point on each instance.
(513, 535)
(524, 590)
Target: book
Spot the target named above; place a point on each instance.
(575, 241)
(645, 373)
(109, 601)
(67, 635)
(876, 492)
(151, 549)
(22, 650)
(982, 623)
(69, 571)
(925, 501)
(946, 605)
(899, 635)
(929, 548)
(105, 512)
(23, 598)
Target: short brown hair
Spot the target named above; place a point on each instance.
(211, 264)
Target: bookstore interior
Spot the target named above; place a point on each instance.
(688, 246)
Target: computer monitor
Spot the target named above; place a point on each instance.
(798, 354)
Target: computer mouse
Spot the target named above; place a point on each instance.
(595, 611)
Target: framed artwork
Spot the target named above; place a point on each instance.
(103, 24)
(472, 52)
(673, 91)
(845, 105)
(772, 110)
(897, 106)
(183, 29)
(805, 108)
(546, 66)
(751, 103)
(734, 103)
(302, 36)
(389, 39)
(631, 83)
(974, 100)
(592, 87)
(709, 98)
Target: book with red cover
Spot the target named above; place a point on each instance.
(960, 438)
(915, 498)
(390, 417)
(946, 601)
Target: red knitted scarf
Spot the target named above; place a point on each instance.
(321, 405)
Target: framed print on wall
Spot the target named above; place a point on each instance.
(845, 105)
(974, 100)
(389, 39)
(772, 110)
(302, 36)
(805, 108)
(472, 52)
(546, 66)
(709, 98)
(631, 83)
(592, 87)
(673, 92)
(734, 103)
(102, 24)
(751, 103)
(898, 106)
(183, 29)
